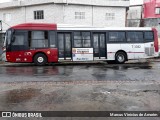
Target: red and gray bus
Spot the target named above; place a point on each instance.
(42, 43)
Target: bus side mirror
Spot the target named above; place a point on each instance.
(13, 39)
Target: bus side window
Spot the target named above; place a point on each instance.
(82, 39)
(77, 39)
(134, 36)
(86, 37)
(149, 36)
(52, 39)
(117, 37)
(39, 39)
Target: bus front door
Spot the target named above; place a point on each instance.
(64, 46)
(99, 45)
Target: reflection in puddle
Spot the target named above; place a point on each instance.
(20, 95)
(31, 71)
(121, 67)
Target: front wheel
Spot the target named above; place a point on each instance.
(40, 59)
(120, 57)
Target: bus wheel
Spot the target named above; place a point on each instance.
(120, 57)
(40, 59)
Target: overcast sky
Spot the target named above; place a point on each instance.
(4, 1)
(132, 2)
(136, 2)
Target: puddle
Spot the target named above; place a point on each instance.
(131, 67)
(21, 95)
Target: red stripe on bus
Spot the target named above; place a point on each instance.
(127, 52)
(35, 26)
(135, 52)
(155, 39)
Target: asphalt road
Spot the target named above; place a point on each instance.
(87, 87)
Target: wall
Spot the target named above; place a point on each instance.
(65, 13)
(149, 8)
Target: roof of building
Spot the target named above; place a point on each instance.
(25, 3)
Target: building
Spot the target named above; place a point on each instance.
(146, 14)
(85, 12)
(151, 14)
(151, 9)
(134, 17)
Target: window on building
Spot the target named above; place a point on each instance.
(82, 39)
(79, 15)
(135, 36)
(39, 39)
(38, 14)
(157, 11)
(110, 16)
(7, 17)
(117, 36)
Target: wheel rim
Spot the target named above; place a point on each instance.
(40, 59)
(120, 58)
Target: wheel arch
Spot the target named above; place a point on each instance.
(123, 52)
(40, 52)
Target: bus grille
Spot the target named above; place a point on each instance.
(149, 51)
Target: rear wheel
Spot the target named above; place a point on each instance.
(120, 57)
(40, 59)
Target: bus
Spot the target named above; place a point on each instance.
(43, 43)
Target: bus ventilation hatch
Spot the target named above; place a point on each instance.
(149, 51)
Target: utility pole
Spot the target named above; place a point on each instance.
(0, 25)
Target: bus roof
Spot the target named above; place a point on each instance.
(36, 26)
(49, 26)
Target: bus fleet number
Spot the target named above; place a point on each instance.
(136, 46)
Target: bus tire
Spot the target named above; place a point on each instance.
(120, 57)
(40, 59)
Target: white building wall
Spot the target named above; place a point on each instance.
(52, 13)
(17, 16)
(64, 12)
(69, 15)
(99, 16)
(95, 16)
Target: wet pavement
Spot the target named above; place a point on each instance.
(87, 87)
(100, 72)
